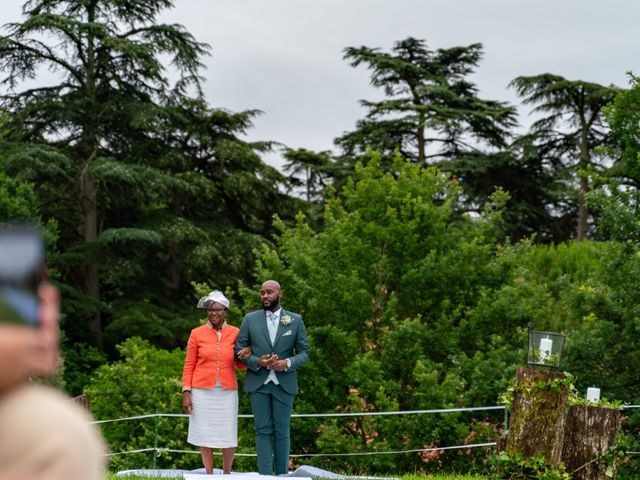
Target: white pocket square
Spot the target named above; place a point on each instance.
(288, 332)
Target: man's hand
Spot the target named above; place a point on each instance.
(245, 353)
(266, 361)
(187, 406)
(278, 365)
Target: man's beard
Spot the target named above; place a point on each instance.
(271, 303)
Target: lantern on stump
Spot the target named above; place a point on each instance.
(545, 348)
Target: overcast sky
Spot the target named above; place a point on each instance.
(284, 57)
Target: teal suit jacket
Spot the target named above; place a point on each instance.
(291, 342)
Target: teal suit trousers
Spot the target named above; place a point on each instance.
(272, 408)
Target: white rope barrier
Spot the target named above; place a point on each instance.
(321, 415)
(160, 450)
(139, 417)
(403, 412)
(395, 452)
(324, 415)
(141, 450)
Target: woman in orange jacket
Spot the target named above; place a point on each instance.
(209, 385)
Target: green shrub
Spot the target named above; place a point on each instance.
(147, 380)
(515, 467)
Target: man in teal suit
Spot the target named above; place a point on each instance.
(278, 339)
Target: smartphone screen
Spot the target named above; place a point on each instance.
(21, 270)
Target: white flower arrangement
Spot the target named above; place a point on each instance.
(286, 320)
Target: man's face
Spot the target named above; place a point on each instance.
(270, 296)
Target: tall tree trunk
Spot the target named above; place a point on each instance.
(536, 426)
(174, 266)
(90, 234)
(173, 279)
(583, 211)
(589, 431)
(421, 125)
(422, 143)
(89, 191)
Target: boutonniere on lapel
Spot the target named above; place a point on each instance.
(286, 320)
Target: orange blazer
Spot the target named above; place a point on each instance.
(209, 358)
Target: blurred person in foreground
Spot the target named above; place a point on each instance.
(209, 384)
(43, 433)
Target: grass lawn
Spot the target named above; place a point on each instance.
(111, 476)
(442, 477)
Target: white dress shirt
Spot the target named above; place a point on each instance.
(273, 318)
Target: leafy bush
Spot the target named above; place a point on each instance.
(147, 380)
(516, 467)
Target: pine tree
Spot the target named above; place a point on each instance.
(151, 187)
(570, 129)
(432, 111)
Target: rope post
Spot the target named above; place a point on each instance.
(155, 440)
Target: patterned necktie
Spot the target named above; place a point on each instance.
(272, 323)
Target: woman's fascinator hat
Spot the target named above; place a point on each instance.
(214, 297)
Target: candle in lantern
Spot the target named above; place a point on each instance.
(593, 394)
(546, 345)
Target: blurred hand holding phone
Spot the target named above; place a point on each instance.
(21, 273)
(26, 300)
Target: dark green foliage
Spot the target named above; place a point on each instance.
(151, 187)
(522, 171)
(110, 79)
(627, 466)
(432, 114)
(622, 115)
(617, 193)
(146, 380)
(309, 171)
(432, 110)
(567, 136)
(80, 360)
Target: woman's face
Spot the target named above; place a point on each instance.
(216, 314)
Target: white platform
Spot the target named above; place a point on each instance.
(237, 476)
(304, 472)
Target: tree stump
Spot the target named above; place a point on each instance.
(538, 414)
(589, 431)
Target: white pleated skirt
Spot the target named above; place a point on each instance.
(213, 422)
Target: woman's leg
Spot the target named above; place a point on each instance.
(207, 459)
(227, 459)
